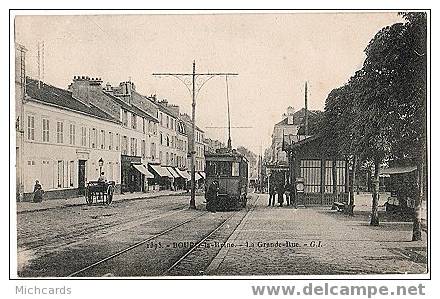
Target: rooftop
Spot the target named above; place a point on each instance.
(55, 96)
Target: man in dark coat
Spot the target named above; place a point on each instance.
(211, 197)
(272, 193)
(281, 194)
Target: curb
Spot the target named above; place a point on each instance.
(83, 204)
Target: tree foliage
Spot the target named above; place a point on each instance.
(380, 113)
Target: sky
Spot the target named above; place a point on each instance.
(274, 54)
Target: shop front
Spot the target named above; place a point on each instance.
(132, 180)
(162, 177)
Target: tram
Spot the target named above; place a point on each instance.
(229, 169)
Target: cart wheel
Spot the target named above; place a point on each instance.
(89, 198)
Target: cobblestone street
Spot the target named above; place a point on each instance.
(259, 240)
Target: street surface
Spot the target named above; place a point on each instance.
(162, 237)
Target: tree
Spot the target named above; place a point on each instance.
(380, 113)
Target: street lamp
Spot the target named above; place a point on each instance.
(100, 163)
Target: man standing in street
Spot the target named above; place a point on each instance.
(281, 193)
(271, 194)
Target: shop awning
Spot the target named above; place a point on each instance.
(173, 172)
(198, 176)
(398, 170)
(142, 169)
(161, 171)
(202, 174)
(184, 174)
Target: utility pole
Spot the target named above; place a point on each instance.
(197, 82)
(306, 116)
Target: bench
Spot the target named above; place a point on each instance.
(340, 206)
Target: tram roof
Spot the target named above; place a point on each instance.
(225, 155)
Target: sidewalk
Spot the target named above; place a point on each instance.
(287, 241)
(24, 207)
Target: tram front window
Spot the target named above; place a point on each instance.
(235, 169)
(219, 169)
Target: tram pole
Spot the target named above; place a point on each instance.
(198, 80)
(192, 201)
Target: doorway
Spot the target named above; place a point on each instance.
(81, 177)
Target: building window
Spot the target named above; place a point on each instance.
(161, 138)
(153, 151)
(168, 140)
(72, 134)
(168, 121)
(124, 118)
(118, 141)
(31, 127)
(102, 137)
(60, 131)
(161, 119)
(110, 140)
(133, 121)
(143, 149)
(167, 159)
(340, 176)
(83, 136)
(133, 146)
(60, 174)
(311, 172)
(124, 145)
(45, 130)
(94, 137)
(143, 125)
(110, 171)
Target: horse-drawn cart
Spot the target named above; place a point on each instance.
(99, 192)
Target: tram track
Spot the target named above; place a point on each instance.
(120, 252)
(86, 232)
(104, 264)
(198, 246)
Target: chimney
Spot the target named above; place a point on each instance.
(80, 89)
(290, 112)
(85, 89)
(126, 88)
(175, 109)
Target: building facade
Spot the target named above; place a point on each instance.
(287, 130)
(63, 141)
(137, 126)
(212, 145)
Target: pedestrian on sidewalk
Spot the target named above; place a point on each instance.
(281, 194)
(38, 192)
(288, 191)
(271, 195)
